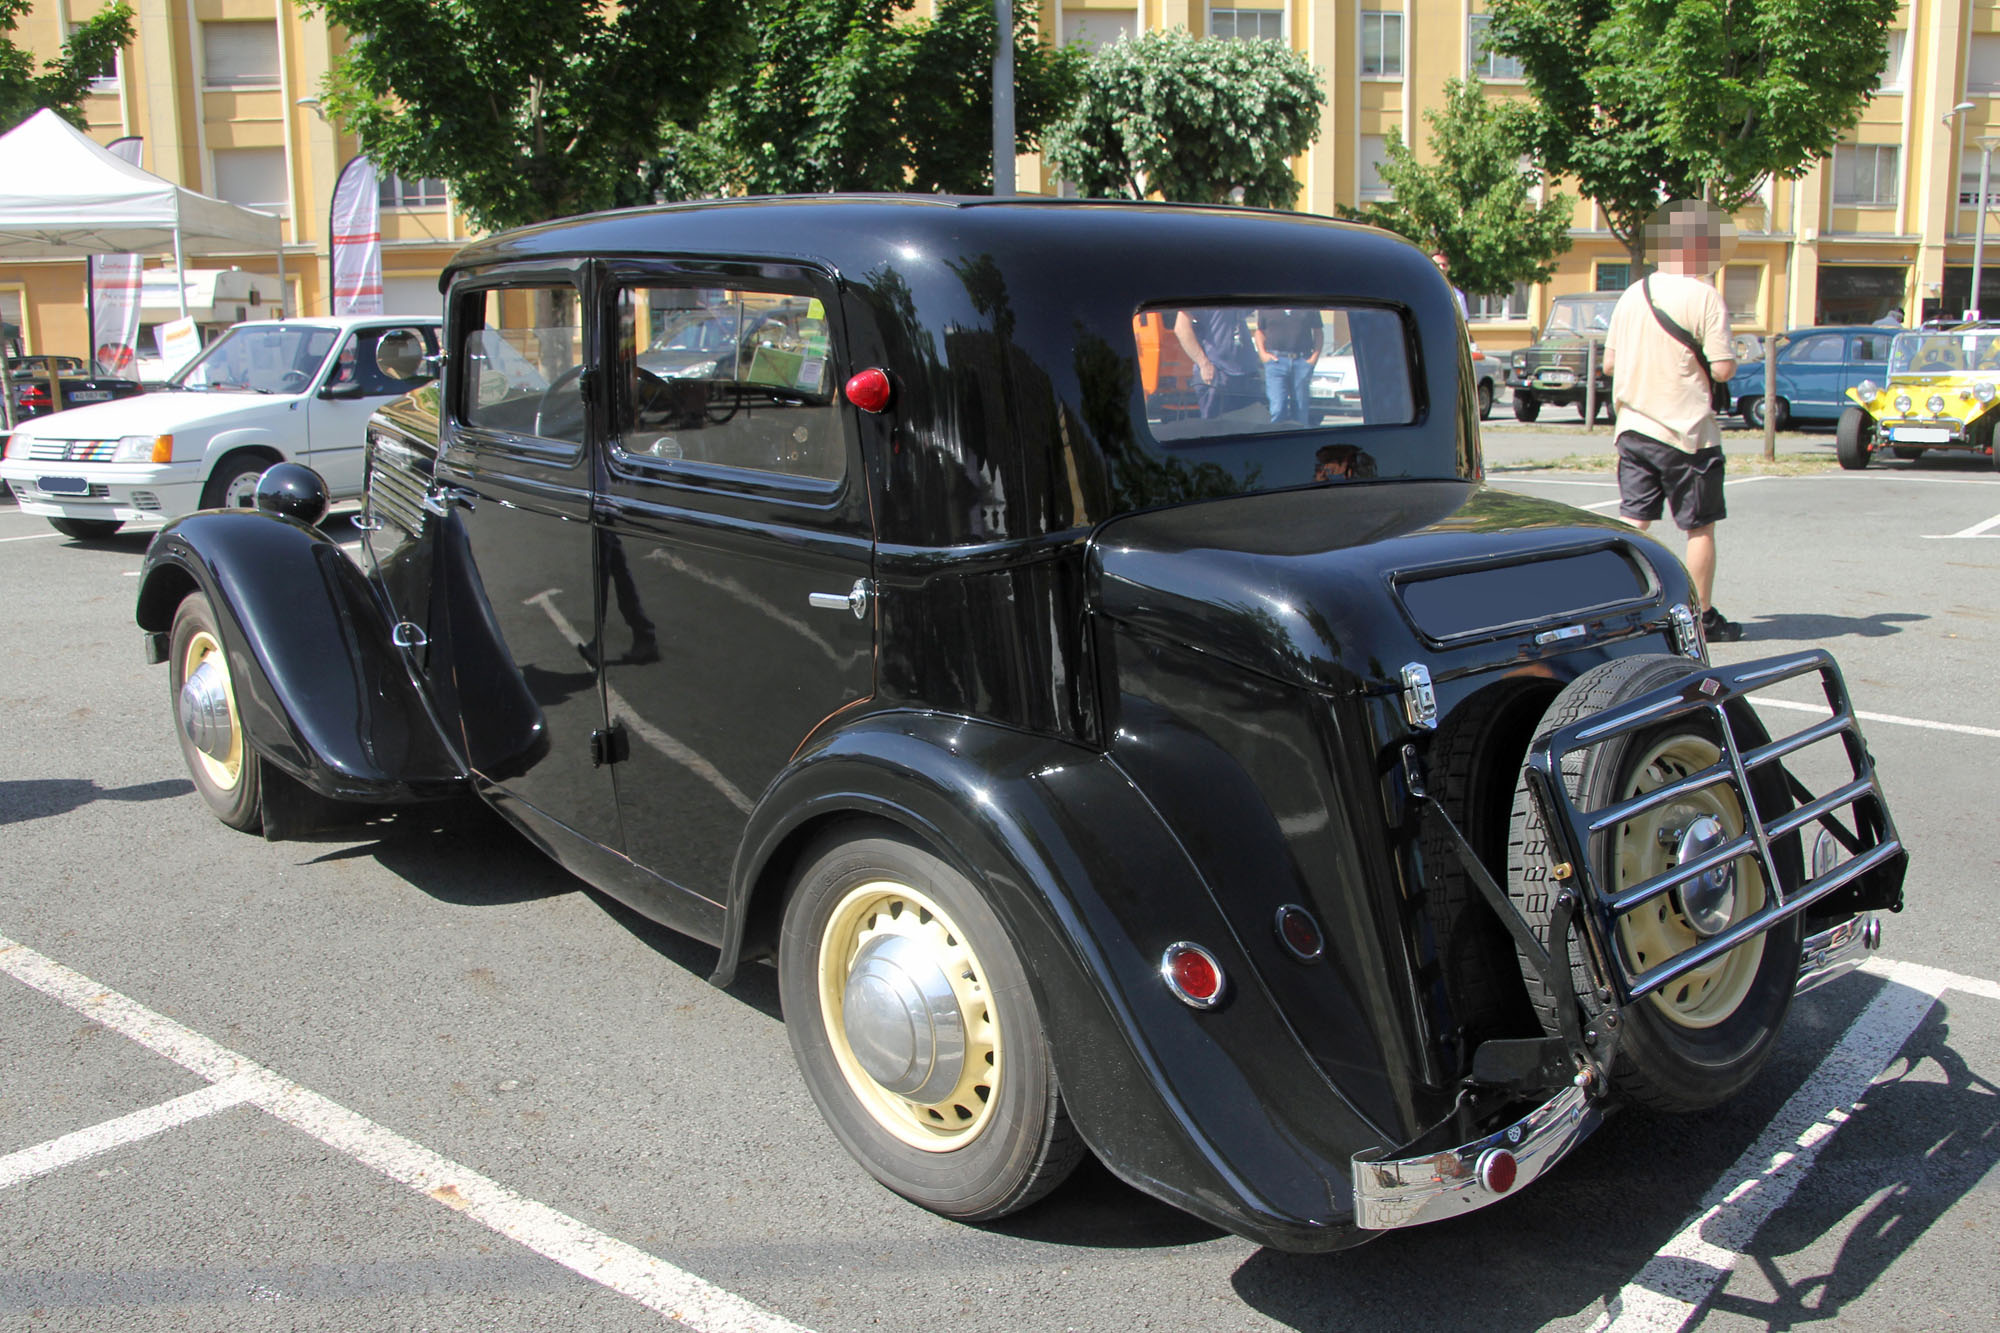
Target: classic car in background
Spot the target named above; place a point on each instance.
(1938, 394)
(30, 377)
(1320, 838)
(1816, 368)
(1556, 368)
(265, 392)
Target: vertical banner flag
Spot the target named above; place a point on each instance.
(114, 294)
(355, 240)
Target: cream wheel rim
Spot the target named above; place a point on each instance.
(1657, 930)
(882, 917)
(226, 770)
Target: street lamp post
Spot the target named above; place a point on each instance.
(1950, 117)
(1003, 98)
(1987, 143)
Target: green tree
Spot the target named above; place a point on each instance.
(532, 109)
(1473, 201)
(62, 83)
(1189, 119)
(1640, 101)
(854, 95)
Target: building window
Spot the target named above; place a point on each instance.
(1381, 44)
(411, 192)
(1864, 175)
(1892, 64)
(1481, 61)
(1374, 152)
(1612, 278)
(1968, 180)
(1247, 25)
(240, 55)
(1982, 72)
(1506, 305)
(253, 177)
(1741, 284)
(105, 78)
(1098, 27)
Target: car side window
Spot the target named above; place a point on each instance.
(734, 377)
(1816, 351)
(522, 349)
(1871, 347)
(384, 362)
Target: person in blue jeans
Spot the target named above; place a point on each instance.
(1288, 343)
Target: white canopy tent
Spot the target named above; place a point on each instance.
(66, 195)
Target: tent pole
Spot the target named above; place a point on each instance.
(283, 290)
(180, 271)
(90, 313)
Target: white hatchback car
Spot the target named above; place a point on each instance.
(269, 391)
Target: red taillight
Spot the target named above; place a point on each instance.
(1192, 974)
(1496, 1170)
(1299, 933)
(868, 390)
(34, 395)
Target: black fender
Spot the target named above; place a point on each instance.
(322, 692)
(1221, 1112)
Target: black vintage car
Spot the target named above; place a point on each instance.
(1322, 839)
(29, 376)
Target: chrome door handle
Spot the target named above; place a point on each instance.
(854, 599)
(445, 498)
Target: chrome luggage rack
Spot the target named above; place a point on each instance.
(1870, 877)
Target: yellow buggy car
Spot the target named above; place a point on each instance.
(1943, 386)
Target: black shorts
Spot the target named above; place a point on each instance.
(1652, 474)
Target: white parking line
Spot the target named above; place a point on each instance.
(606, 1260)
(1962, 728)
(32, 537)
(1671, 1289)
(1984, 529)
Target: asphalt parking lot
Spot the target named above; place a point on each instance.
(414, 1077)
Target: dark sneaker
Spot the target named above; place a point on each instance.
(1718, 630)
(644, 650)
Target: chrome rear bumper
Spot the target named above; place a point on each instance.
(1834, 953)
(1410, 1191)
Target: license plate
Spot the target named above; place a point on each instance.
(1556, 379)
(90, 396)
(1918, 435)
(64, 485)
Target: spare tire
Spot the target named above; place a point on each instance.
(1697, 1041)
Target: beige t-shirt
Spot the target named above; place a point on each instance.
(1657, 387)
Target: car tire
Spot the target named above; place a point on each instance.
(233, 484)
(1781, 412)
(1909, 453)
(228, 773)
(1854, 439)
(1485, 395)
(86, 529)
(972, 1135)
(1700, 1040)
(1526, 406)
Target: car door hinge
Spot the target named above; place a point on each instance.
(609, 746)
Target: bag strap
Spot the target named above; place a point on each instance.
(1675, 331)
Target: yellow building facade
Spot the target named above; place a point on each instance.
(223, 94)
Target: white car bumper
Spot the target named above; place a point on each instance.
(124, 492)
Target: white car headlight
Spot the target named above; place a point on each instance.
(144, 449)
(1936, 404)
(1984, 391)
(1868, 388)
(1903, 404)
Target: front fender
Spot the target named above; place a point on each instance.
(246, 437)
(1221, 1113)
(321, 691)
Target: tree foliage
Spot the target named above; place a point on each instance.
(61, 84)
(1473, 201)
(855, 95)
(1189, 119)
(532, 109)
(1645, 100)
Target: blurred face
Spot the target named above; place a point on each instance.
(1443, 262)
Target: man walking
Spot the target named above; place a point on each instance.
(1667, 347)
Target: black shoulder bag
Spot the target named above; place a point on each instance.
(1718, 390)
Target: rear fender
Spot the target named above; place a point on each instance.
(1219, 1112)
(321, 691)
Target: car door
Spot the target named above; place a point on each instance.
(735, 548)
(374, 364)
(1867, 359)
(1809, 372)
(513, 483)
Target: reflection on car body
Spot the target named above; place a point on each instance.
(1106, 759)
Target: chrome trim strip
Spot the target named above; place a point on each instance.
(1410, 1191)
(1835, 953)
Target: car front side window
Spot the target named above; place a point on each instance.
(523, 358)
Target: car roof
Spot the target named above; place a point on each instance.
(343, 321)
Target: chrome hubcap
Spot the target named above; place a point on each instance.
(205, 710)
(903, 1020)
(1709, 900)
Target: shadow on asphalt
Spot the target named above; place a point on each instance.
(1811, 627)
(43, 797)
